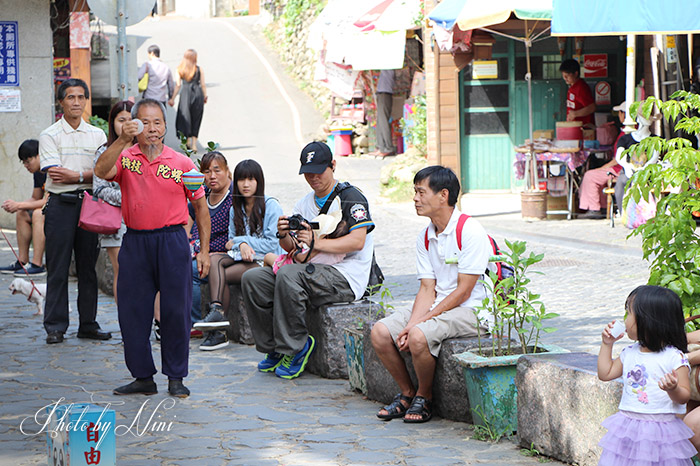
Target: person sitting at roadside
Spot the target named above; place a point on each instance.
(592, 197)
(217, 179)
(632, 162)
(448, 295)
(277, 304)
(29, 220)
(251, 234)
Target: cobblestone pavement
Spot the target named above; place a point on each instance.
(238, 416)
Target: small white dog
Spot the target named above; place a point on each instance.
(35, 294)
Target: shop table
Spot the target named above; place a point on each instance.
(571, 159)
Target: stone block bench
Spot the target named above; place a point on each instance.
(561, 403)
(325, 323)
(450, 399)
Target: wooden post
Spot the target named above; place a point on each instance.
(80, 58)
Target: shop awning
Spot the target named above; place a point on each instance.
(391, 15)
(365, 34)
(623, 17)
(476, 14)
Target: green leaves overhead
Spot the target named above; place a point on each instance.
(670, 239)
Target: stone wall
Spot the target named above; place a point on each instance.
(298, 59)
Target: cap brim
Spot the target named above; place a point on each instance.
(315, 169)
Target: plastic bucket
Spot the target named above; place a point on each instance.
(343, 143)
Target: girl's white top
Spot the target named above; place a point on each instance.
(641, 373)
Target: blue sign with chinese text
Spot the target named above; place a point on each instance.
(9, 54)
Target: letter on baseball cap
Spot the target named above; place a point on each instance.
(315, 158)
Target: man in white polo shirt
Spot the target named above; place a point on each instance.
(66, 153)
(449, 270)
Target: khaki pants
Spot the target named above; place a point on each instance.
(457, 322)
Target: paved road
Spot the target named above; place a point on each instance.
(237, 416)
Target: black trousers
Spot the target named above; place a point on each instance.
(63, 237)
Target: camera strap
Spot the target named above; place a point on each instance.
(340, 186)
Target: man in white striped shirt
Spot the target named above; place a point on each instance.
(66, 152)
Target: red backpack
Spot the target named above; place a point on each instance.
(502, 271)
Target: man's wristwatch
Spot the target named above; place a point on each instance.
(280, 236)
(80, 177)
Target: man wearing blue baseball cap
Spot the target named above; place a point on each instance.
(277, 304)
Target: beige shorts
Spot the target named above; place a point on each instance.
(458, 322)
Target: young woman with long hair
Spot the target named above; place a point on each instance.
(109, 190)
(252, 233)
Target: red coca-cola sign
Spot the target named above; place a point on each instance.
(595, 65)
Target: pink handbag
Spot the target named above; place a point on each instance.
(98, 216)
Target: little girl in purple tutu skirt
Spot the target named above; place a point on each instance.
(647, 430)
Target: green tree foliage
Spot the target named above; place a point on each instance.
(295, 11)
(669, 239)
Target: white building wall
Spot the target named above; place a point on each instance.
(36, 88)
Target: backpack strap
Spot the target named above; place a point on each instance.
(340, 186)
(460, 226)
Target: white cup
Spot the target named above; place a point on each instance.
(618, 329)
(140, 125)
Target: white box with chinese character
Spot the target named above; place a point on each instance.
(81, 434)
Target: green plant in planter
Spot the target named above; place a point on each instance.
(670, 239)
(515, 309)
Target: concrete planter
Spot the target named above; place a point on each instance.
(491, 386)
(355, 357)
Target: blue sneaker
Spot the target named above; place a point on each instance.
(32, 271)
(293, 366)
(271, 362)
(12, 268)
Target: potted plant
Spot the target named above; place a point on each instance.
(669, 239)
(377, 306)
(516, 317)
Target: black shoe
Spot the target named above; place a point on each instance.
(214, 341)
(54, 337)
(138, 387)
(176, 388)
(12, 268)
(593, 215)
(95, 335)
(215, 318)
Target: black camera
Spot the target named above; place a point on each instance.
(295, 223)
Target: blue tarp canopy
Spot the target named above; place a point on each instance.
(623, 17)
